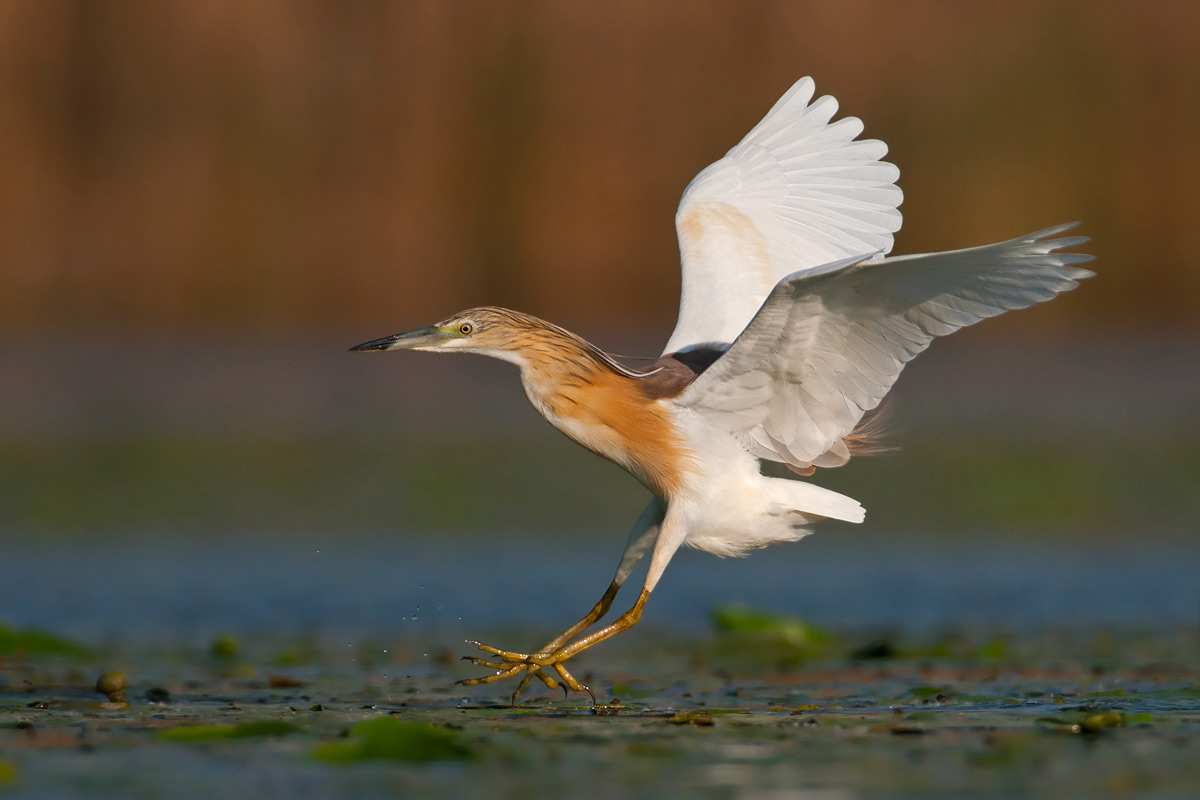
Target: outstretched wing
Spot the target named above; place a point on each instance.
(828, 344)
(796, 193)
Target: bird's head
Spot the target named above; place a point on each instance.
(489, 330)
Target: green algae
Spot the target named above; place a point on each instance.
(390, 739)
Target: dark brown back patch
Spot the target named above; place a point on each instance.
(671, 374)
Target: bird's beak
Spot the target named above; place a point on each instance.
(425, 337)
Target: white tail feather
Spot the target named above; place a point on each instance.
(816, 501)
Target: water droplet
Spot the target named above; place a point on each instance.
(414, 617)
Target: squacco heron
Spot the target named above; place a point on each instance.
(792, 327)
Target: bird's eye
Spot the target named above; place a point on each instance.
(465, 328)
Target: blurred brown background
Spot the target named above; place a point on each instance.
(297, 166)
(202, 204)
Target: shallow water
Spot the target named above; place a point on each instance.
(135, 588)
(141, 587)
(946, 669)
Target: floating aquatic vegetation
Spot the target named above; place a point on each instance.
(36, 642)
(764, 626)
(245, 730)
(392, 739)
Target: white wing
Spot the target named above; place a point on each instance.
(796, 193)
(828, 344)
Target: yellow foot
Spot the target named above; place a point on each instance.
(533, 665)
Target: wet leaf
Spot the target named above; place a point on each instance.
(792, 631)
(1094, 723)
(1084, 722)
(394, 740)
(225, 648)
(1058, 725)
(993, 650)
(699, 718)
(264, 727)
(245, 730)
(920, 716)
(196, 733)
(35, 642)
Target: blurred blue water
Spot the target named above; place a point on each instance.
(145, 590)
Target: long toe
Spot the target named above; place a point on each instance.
(480, 662)
(507, 655)
(499, 676)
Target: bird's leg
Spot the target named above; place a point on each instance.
(644, 535)
(621, 624)
(641, 539)
(599, 610)
(666, 541)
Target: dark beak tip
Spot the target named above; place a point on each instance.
(375, 345)
(400, 341)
